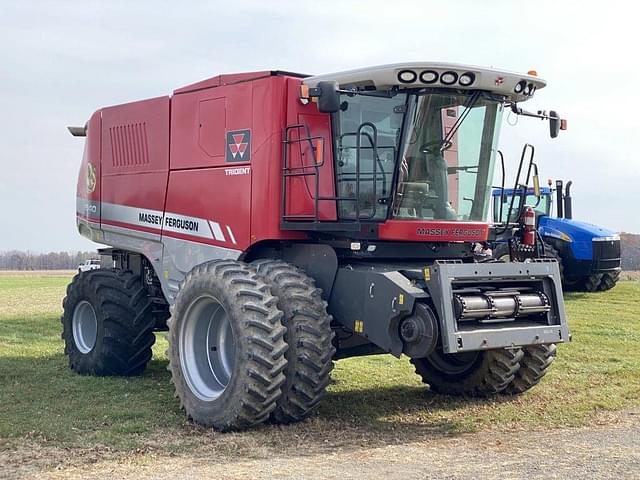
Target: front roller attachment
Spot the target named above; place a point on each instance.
(496, 305)
(449, 305)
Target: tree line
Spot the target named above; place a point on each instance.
(630, 244)
(19, 260)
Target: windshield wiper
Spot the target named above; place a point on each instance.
(473, 99)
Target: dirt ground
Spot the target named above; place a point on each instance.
(604, 451)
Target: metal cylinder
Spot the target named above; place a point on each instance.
(568, 203)
(499, 305)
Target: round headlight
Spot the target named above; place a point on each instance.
(449, 78)
(520, 86)
(467, 79)
(407, 76)
(429, 76)
(527, 89)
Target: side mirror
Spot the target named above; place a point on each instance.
(329, 98)
(554, 124)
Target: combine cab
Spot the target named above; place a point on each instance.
(275, 222)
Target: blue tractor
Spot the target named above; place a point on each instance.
(588, 255)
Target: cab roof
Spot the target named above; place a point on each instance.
(516, 86)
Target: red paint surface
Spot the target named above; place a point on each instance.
(301, 190)
(135, 153)
(210, 194)
(198, 125)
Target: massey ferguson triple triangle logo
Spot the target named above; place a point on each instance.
(239, 146)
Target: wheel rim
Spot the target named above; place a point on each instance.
(453, 363)
(207, 348)
(84, 326)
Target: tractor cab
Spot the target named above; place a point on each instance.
(541, 205)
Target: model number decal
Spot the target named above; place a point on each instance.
(237, 171)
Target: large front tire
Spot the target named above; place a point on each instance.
(226, 346)
(533, 366)
(474, 374)
(107, 323)
(309, 336)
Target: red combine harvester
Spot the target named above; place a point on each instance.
(275, 222)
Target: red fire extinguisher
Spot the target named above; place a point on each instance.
(529, 232)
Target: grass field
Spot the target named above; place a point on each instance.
(374, 400)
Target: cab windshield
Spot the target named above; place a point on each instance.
(540, 207)
(438, 148)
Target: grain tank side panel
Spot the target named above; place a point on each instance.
(201, 121)
(135, 164)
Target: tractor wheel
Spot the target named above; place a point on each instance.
(591, 283)
(476, 374)
(533, 366)
(309, 336)
(569, 284)
(107, 323)
(608, 281)
(226, 346)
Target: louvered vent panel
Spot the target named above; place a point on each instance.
(129, 145)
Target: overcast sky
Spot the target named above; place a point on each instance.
(60, 61)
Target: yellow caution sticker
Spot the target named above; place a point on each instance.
(401, 299)
(358, 326)
(427, 273)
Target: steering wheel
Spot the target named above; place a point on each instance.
(436, 146)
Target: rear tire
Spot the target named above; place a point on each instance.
(476, 374)
(533, 366)
(226, 346)
(107, 323)
(309, 336)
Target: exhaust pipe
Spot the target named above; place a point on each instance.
(559, 200)
(568, 204)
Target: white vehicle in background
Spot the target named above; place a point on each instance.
(91, 264)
